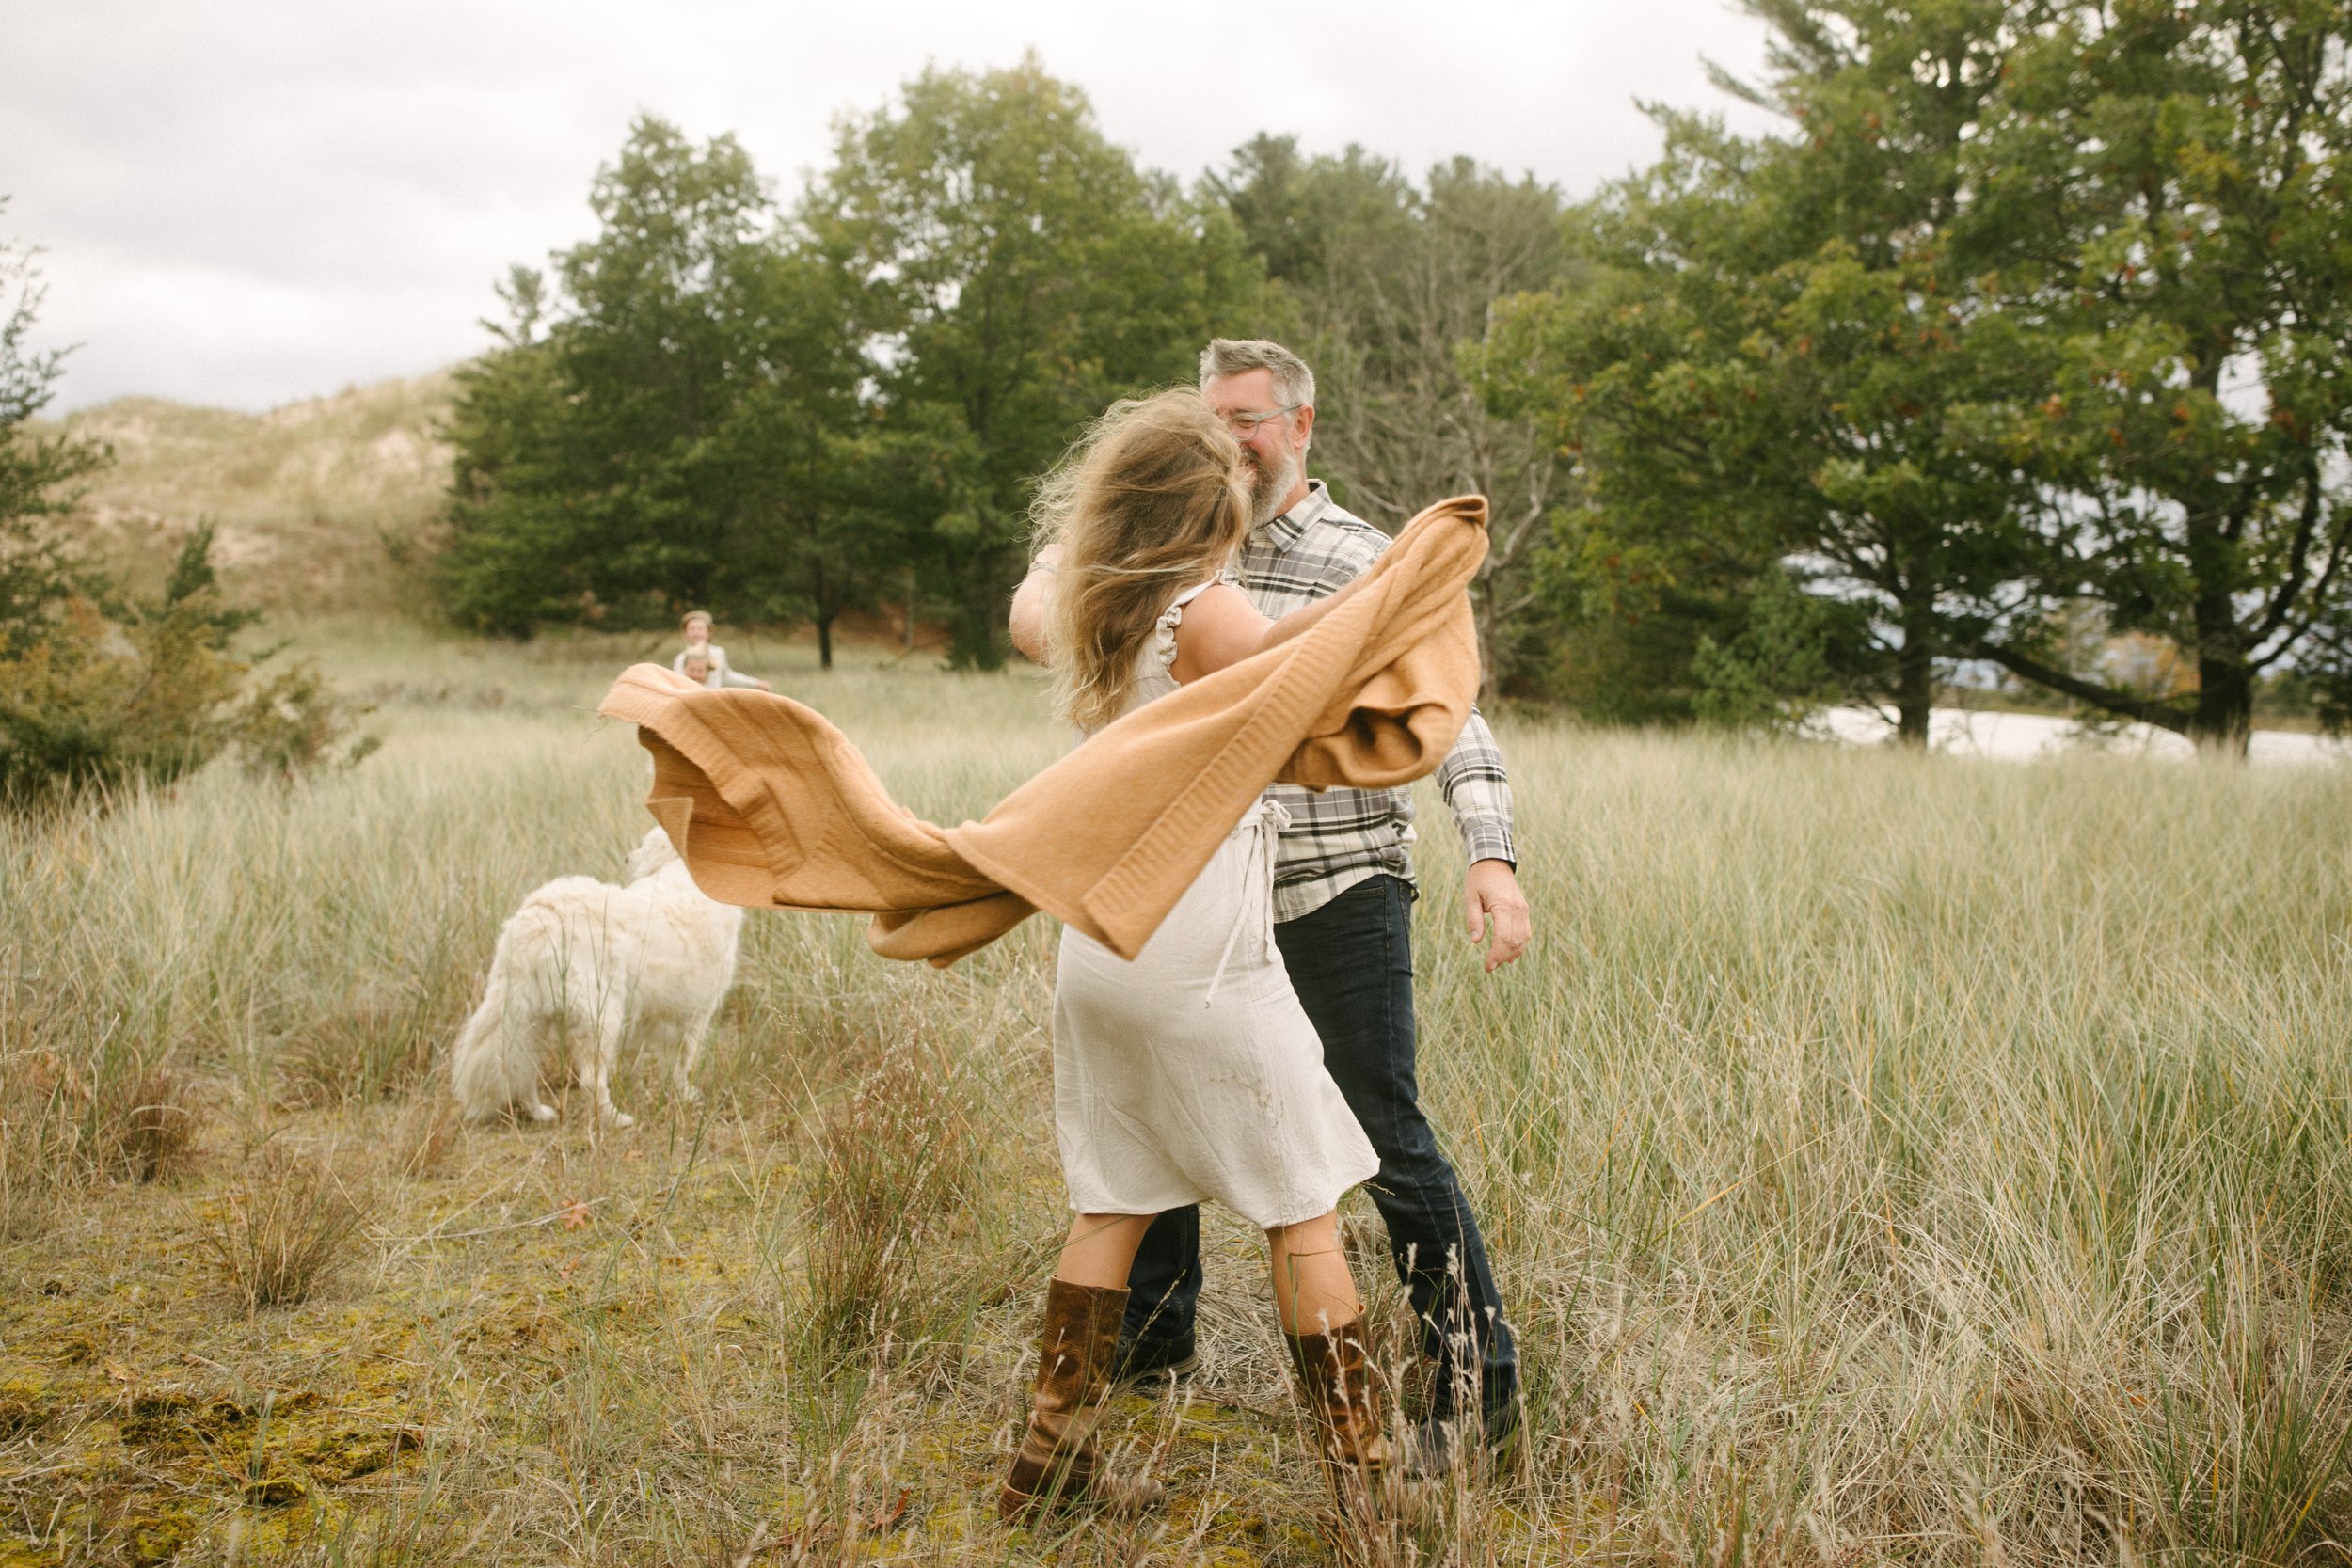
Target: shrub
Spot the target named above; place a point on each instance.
(96, 690)
(98, 703)
(96, 696)
(1781, 666)
(294, 723)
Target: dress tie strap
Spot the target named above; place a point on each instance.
(1257, 888)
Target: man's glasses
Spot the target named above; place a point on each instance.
(1245, 423)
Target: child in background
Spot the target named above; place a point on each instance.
(717, 672)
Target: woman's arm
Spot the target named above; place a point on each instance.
(1222, 627)
(728, 675)
(1028, 606)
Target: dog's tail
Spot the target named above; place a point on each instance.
(483, 1071)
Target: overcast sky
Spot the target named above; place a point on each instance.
(247, 204)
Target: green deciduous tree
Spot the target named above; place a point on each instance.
(2040, 306)
(1020, 272)
(1776, 369)
(2167, 191)
(675, 420)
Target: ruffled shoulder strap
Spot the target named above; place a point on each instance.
(1164, 633)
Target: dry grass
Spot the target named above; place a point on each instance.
(424, 1140)
(893, 1157)
(65, 1123)
(282, 1228)
(1885, 1159)
(148, 1123)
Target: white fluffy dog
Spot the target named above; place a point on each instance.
(582, 963)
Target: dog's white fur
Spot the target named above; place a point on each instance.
(584, 962)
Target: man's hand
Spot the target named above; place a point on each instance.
(1490, 892)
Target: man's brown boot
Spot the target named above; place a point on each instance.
(1342, 1397)
(1057, 1463)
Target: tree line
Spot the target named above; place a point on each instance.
(2022, 341)
(793, 411)
(2027, 329)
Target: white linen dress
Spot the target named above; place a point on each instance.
(1192, 1073)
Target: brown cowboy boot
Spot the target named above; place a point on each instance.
(1343, 1398)
(1057, 1463)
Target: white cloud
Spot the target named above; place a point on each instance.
(244, 204)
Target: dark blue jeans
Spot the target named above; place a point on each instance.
(1352, 963)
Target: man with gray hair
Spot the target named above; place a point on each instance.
(1342, 904)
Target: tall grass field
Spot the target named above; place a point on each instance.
(1885, 1159)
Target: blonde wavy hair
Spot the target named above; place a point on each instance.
(1148, 502)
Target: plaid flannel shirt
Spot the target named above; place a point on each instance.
(1338, 837)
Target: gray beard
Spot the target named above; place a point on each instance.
(1267, 491)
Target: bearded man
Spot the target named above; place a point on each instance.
(1344, 897)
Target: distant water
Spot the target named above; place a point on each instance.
(2024, 737)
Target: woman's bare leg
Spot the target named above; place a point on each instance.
(1312, 1290)
(1322, 1318)
(1100, 1249)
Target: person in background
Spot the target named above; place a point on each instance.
(695, 663)
(717, 672)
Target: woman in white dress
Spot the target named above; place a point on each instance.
(1192, 1073)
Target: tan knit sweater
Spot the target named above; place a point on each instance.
(771, 807)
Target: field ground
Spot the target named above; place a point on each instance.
(1887, 1158)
